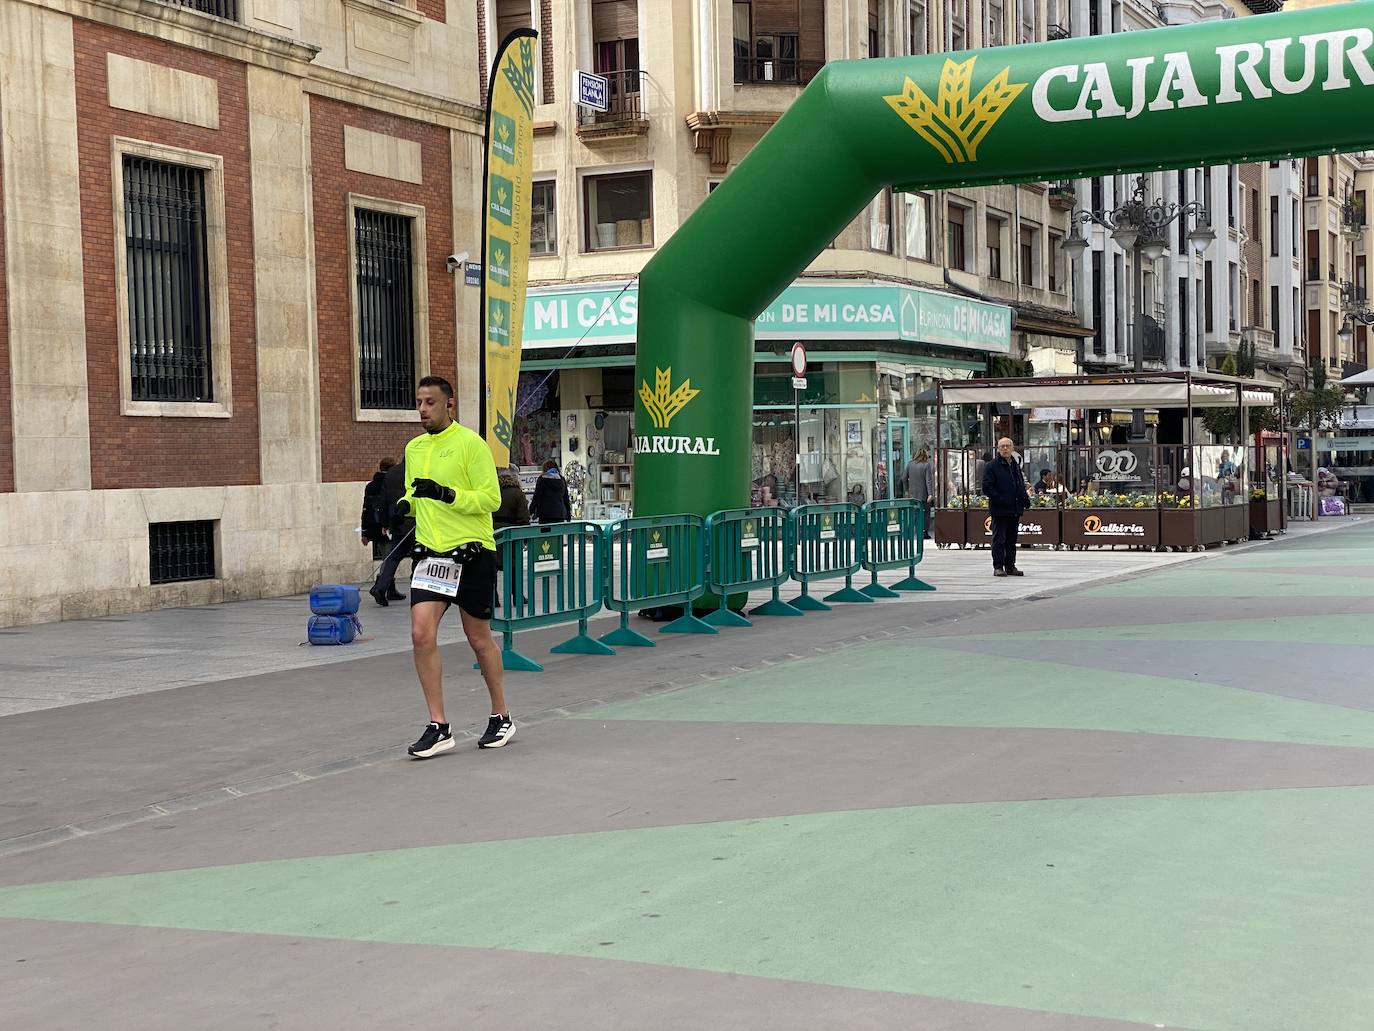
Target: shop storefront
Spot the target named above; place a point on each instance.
(876, 350)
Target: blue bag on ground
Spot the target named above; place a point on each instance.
(334, 599)
(333, 629)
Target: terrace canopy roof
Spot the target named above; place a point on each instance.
(1162, 390)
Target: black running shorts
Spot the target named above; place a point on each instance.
(476, 588)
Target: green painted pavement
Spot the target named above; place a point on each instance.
(897, 684)
(1250, 910)
(1336, 628)
(1217, 581)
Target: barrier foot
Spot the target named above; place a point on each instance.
(582, 644)
(848, 594)
(877, 590)
(512, 660)
(809, 604)
(725, 617)
(912, 584)
(624, 637)
(776, 607)
(688, 624)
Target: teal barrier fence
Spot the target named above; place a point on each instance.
(829, 544)
(655, 562)
(893, 537)
(748, 551)
(551, 573)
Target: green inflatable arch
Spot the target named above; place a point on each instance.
(1240, 90)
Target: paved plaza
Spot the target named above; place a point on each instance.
(1128, 791)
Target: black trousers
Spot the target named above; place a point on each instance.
(1004, 530)
(400, 551)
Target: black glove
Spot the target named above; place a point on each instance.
(424, 488)
(403, 509)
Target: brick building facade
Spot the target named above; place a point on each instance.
(195, 305)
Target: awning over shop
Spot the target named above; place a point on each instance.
(1215, 392)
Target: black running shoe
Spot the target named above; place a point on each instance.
(434, 740)
(379, 596)
(500, 729)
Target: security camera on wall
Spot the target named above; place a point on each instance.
(455, 261)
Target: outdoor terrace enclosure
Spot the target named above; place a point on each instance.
(1230, 91)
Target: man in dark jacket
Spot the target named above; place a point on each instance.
(1007, 495)
(383, 589)
(374, 521)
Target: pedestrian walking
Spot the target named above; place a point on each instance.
(1008, 497)
(401, 530)
(452, 494)
(374, 523)
(552, 503)
(920, 484)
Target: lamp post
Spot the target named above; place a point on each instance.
(1354, 308)
(1139, 225)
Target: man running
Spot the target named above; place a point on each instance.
(452, 493)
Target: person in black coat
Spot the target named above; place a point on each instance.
(374, 522)
(552, 503)
(1008, 497)
(402, 529)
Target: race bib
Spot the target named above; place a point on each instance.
(436, 575)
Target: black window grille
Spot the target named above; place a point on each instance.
(181, 551)
(219, 8)
(168, 280)
(386, 319)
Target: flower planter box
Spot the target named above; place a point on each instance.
(1212, 526)
(1266, 517)
(1099, 527)
(1037, 526)
(949, 527)
(1237, 521)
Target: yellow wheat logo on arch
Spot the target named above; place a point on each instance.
(952, 123)
(665, 401)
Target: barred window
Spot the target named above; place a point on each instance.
(181, 551)
(219, 8)
(168, 281)
(386, 314)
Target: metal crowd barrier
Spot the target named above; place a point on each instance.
(747, 551)
(656, 561)
(550, 573)
(828, 544)
(893, 537)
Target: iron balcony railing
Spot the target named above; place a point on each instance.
(624, 103)
(781, 71)
(227, 9)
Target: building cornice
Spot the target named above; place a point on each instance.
(191, 28)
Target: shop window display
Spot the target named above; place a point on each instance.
(535, 426)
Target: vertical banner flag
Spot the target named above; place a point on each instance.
(506, 233)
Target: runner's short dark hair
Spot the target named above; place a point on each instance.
(437, 381)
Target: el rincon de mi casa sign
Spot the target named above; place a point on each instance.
(1220, 92)
(821, 311)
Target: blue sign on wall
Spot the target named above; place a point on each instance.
(592, 90)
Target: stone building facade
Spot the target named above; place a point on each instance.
(224, 232)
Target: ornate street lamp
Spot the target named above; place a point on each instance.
(1139, 225)
(1354, 308)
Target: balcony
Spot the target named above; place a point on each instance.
(1062, 195)
(624, 115)
(1056, 32)
(775, 71)
(227, 9)
(1154, 340)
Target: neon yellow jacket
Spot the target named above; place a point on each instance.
(460, 459)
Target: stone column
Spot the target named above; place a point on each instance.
(288, 374)
(47, 300)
